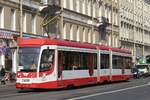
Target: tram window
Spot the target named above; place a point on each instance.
(47, 58)
(95, 61)
(127, 62)
(116, 61)
(78, 60)
(121, 62)
(104, 61)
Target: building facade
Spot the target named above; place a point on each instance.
(135, 26)
(117, 23)
(10, 28)
(81, 20)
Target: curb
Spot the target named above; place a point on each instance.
(7, 84)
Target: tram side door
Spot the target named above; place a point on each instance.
(60, 69)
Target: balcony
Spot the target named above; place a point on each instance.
(109, 2)
(51, 2)
(28, 3)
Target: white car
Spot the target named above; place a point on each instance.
(143, 69)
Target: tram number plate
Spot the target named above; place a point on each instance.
(25, 80)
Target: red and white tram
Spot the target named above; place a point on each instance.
(49, 64)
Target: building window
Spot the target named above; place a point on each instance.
(71, 4)
(116, 42)
(83, 9)
(45, 2)
(65, 4)
(94, 10)
(116, 18)
(89, 36)
(100, 11)
(109, 15)
(34, 24)
(71, 32)
(24, 22)
(78, 33)
(77, 6)
(106, 11)
(113, 18)
(89, 8)
(94, 37)
(109, 40)
(13, 19)
(84, 35)
(65, 31)
(1, 17)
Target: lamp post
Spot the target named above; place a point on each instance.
(21, 22)
(134, 45)
(143, 48)
(61, 18)
(92, 27)
(21, 35)
(111, 22)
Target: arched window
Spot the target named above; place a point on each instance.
(78, 33)
(71, 32)
(65, 31)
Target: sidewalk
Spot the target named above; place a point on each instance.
(8, 83)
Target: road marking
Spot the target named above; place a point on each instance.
(109, 92)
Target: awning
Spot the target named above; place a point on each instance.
(6, 35)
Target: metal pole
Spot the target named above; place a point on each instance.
(111, 22)
(119, 22)
(92, 30)
(143, 49)
(110, 64)
(103, 15)
(61, 19)
(134, 47)
(98, 65)
(21, 35)
(21, 22)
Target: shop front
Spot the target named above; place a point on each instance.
(7, 49)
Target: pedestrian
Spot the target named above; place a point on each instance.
(2, 74)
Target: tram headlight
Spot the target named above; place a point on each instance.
(18, 75)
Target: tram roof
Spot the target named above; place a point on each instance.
(45, 41)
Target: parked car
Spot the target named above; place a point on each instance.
(143, 69)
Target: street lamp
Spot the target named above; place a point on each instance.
(143, 49)
(61, 17)
(111, 22)
(21, 19)
(134, 46)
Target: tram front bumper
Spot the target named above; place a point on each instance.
(26, 86)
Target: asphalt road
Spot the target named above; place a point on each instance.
(138, 89)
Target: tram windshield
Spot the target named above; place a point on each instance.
(28, 59)
(47, 59)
